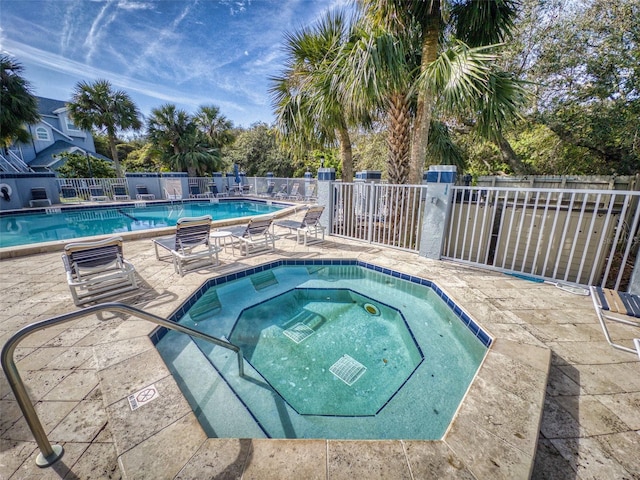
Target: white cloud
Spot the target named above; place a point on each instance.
(82, 71)
(127, 5)
(98, 30)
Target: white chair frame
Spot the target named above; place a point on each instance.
(96, 270)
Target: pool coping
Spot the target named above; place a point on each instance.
(58, 245)
(510, 384)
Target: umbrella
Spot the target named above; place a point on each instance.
(236, 172)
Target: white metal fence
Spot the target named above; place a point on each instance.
(302, 189)
(389, 215)
(587, 237)
(81, 188)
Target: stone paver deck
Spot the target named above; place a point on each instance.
(552, 399)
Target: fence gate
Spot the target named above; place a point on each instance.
(389, 215)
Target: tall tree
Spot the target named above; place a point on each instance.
(309, 113)
(97, 105)
(257, 152)
(587, 72)
(18, 106)
(416, 67)
(217, 129)
(182, 145)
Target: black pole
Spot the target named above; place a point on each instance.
(89, 164)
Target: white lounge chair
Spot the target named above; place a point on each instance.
(96, 270)
(269, 191)
(194, 191)
(96, 194)
(617, 307)
(309, 229)
(39, 197)
(294, 194)
(190, 247)
(142, 193)
(255, 237)
(120, 193)
(69, 194)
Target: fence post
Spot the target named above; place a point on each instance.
(440, 179)
(326, 177)
(634, 282)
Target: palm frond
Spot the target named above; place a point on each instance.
(458, 76)
(483, 22)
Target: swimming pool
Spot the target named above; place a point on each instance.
(65, 223)
(398, 371)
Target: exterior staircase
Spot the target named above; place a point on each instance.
(12, 163)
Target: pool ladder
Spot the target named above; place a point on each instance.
(50, 454)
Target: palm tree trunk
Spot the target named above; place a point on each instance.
(346, 154)
(399, 117)
(114, 154)
(420, 140)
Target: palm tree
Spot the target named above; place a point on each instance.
(414, 66)
(182, 145)
(376, 71)
(98, 106)
(18, 107)
(308, 112)
(217, 129)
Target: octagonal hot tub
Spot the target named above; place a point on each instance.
(332, 349)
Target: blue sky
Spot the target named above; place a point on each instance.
(185, 52)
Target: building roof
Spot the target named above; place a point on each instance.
(48, 159)
(46, 106)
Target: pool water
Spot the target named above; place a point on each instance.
(331, 351)
(295, 339)
(76, 222)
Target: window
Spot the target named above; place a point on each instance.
(42, 133)
(70, 125)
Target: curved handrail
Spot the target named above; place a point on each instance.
(50, 454)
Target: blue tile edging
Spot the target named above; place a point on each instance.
(476, 329)
(132, 204)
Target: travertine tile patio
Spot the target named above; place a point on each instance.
(549, 356)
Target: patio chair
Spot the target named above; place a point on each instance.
(235, 190)
(142, 193)
(213, 191)
(255, 237)
(96, 270)
(69, 193)
(246, 189)
(294, 195)
(269, 191)
(39, 197)
(310, 195)
(190, 247)
(617, 307)
(120, 193)
(309, 226)
(96, 194)
(194, 191)
(282, 193)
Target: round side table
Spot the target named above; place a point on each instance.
(221, 235)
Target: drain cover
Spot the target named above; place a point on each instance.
(347, 369)
(298, 332)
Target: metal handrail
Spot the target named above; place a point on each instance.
(16, 158)
(50, 454)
